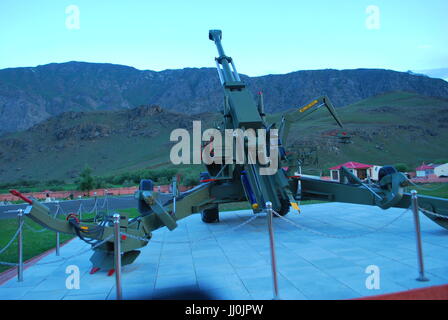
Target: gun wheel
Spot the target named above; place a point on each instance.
(284, 209)
(210, 215)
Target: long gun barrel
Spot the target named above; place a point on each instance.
(225, 73)
(241, 112)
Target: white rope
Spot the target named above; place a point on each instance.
(93, 208)
(9, 243)
(433, 213)
(195, 240)
(78, 253)
(13, 238)
(336, 236)
(35, 230)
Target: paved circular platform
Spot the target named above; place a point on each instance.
(236, 264)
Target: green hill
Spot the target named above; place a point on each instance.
(397, 127)
(108, 141)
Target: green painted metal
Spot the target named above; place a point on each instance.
(235, 182)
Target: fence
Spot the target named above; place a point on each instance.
(76, 194)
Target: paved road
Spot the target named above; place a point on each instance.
(73, 205)
(68, 206)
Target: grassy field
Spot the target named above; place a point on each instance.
(432, 189)
(34, 243)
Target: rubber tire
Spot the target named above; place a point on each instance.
(210, 215)
(385, 171)
(284, 208)
(145, 185)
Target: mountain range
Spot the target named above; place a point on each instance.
(33, 94)
(441, 73)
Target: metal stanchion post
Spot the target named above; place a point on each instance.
(95, 206)
(117, 254)
(57, 244)
(107, 204)
(57, 233)
(269, 212)
(20, 246)
(415, 210)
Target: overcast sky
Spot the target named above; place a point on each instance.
(263, 37)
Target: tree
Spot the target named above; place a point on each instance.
(402, 167)
(86, 181)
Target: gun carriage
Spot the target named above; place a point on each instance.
(230, 180)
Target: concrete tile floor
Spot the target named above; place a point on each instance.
(236, 264)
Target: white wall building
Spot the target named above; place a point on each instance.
(441, 170)
(361, 170)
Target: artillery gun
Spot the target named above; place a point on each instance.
(233, 179)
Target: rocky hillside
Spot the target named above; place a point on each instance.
(108, 141)
(31, 95)
(396, 127)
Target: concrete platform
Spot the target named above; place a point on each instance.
(236, 264)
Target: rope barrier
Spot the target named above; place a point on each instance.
(93, 208)
(78, 253)
(8, 264)
(57, 211)
(319, 233)
(195, 240)
(12, 239)
(62, 210)
(433, 213)
(104, 203)
(9, 244)
(35, 230)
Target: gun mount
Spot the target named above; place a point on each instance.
(230, 179)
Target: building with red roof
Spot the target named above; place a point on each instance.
(361, 170)
(352, 165)
(425, 170)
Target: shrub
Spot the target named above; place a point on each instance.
(86, 181)
(402, 167)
